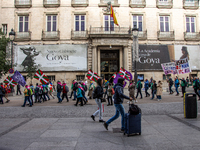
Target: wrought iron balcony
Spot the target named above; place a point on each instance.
(164, 4)
(166, 36)
(137, 3)
(190, 4)
(23, 36)
(110, 32)
(51, 3)
(79, 35)
(80, 3)
(103, 3)
(23, 3)
(192, 36)
(50, 36)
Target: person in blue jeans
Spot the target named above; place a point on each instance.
(118, 100)
(59, 90)
(154, 89)
(146, 86)
(176, 84)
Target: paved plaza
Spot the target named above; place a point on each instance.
(52, 126)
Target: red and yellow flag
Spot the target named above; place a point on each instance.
(112, 14)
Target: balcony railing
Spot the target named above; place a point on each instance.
(110, 32)
(137, 3)
(164, 4)
(23, 3)
(165, 36)
(51, 3)
(114, 3)
(190, 4)
(23, 36)
(50, 36)
(80, 3)
(192, 36)
(79, 35)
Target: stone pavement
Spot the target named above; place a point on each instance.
(52, 126)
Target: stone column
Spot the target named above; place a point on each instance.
(126, 58)
(94, 59)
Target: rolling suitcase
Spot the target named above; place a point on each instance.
(132, 124)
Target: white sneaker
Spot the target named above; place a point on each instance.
(136, 101)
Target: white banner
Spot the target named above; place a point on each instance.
(62, 57)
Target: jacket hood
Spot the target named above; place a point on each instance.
(119, 84)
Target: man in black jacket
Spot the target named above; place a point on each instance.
(75, 87)
(59, 90)
(118, 100)
(18, 89)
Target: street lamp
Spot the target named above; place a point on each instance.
(12, 38)
(135, 50)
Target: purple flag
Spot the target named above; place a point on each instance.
(19, 78)
(131, 77)
(116, 79)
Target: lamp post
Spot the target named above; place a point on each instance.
(135, 50)
(12, 37)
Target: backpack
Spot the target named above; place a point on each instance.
(134, 109)
(40, 91)
(37, 89)
(66, 89)
(141, 85)
(83, 92)
(29, 92)
(45, 89)
(94, 93)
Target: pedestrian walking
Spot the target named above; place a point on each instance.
(131, 89)
(27, 94)
(183, 86)
(84, 88)
(91, 88)
(153, 89)
(110, 94)
(176, 84)
(53, 83)
(106, 88)
(75, 87)
(98, 95)
(65, 91)
(159, 91)
(196, 86)
(79, 95)
(59, 90)
(41, 93)
(139, 88)
(36, 91)
(18, 89)
(170, 83)
(7, 91)
(118, 101)
(31, 90)
(146, 86)
(2, 93)
(50, 90)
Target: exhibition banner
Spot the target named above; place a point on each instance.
(64, 57)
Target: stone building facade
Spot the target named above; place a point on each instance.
(109, 47)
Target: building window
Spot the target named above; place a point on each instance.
(166, 77)
(79, 77)
(109, 23)
(164, 23)
(4, 29)
(190, 24)
(79, 22)
(51, 23)
(51, 78)
(23, 23)
(25, 78)
(137, 20)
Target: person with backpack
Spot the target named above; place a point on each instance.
(27, 94)
(79, 96)
(183, 86)
(110, 91)
(36, 90)
(65, 91)
(118, 101)
(98, 95)
(31, 90)
(176, 84)
(2, 93)
(59, 90)
(139, 88)
(75, 87)
(72, 89)
(40, 93)
(153, 89)
(146, 86)
(170, 83)
(196, 86)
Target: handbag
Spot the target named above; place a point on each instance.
(103, 100)
(134, 109)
